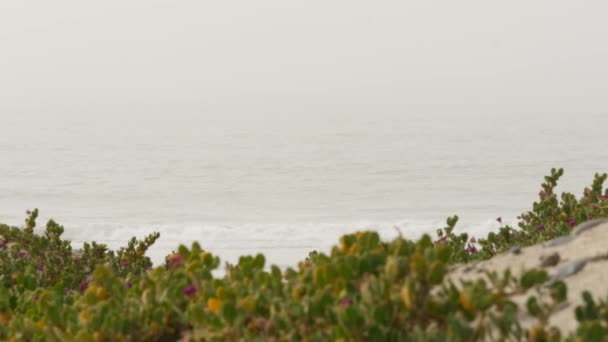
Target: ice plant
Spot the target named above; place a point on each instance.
(472, 249)
(540, 227)
(571, 222)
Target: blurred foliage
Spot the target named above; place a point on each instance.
(363, 289)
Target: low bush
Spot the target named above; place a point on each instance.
(363, 289)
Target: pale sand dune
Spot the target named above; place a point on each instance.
(587, 249)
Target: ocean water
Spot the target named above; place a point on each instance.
(285, 184)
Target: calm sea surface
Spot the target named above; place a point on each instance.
(285, 185)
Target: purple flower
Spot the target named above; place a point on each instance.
(22, 253)
(346, 302)
(472, 249)
(36, 297)
(175, 260)
(40, 266)
(189, 290)
(499, 219)
(540, 227)
(571, 222)
(125, 264)
(2, 245)
(605, 197)
(83, 286)
(67, 290)
(473, 240)
(129, 284)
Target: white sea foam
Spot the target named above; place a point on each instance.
(283, 244)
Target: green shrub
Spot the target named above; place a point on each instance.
(363, 289)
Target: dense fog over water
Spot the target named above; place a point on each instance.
(275, 127)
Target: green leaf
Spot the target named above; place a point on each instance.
(532, 278)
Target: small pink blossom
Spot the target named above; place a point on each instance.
(175, 260)
(540, 227)
(83, 285)
(346, 302)
(189, 290)
(499, 219)
(472, 249)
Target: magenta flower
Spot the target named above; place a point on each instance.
(605, 197)
(472, 249)
(22, 253)
(83, 285)
(346, 302)
(36, 297)
(540, 227)
(40, 266)
(499, 219)
(67, 290)
(175, 260)
(129, 284)
(125, 264)
(2, 245)
(571, 222)
(189, 290)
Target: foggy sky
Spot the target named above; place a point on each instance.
(162, 58)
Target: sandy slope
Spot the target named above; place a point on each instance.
(583, 265)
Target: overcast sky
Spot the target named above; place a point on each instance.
(160, 58)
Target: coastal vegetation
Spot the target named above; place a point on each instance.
(363, 289)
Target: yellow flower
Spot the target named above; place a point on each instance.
(214, 304)
(101, 293)
(84, 317)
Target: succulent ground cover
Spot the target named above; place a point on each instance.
(363, 289)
